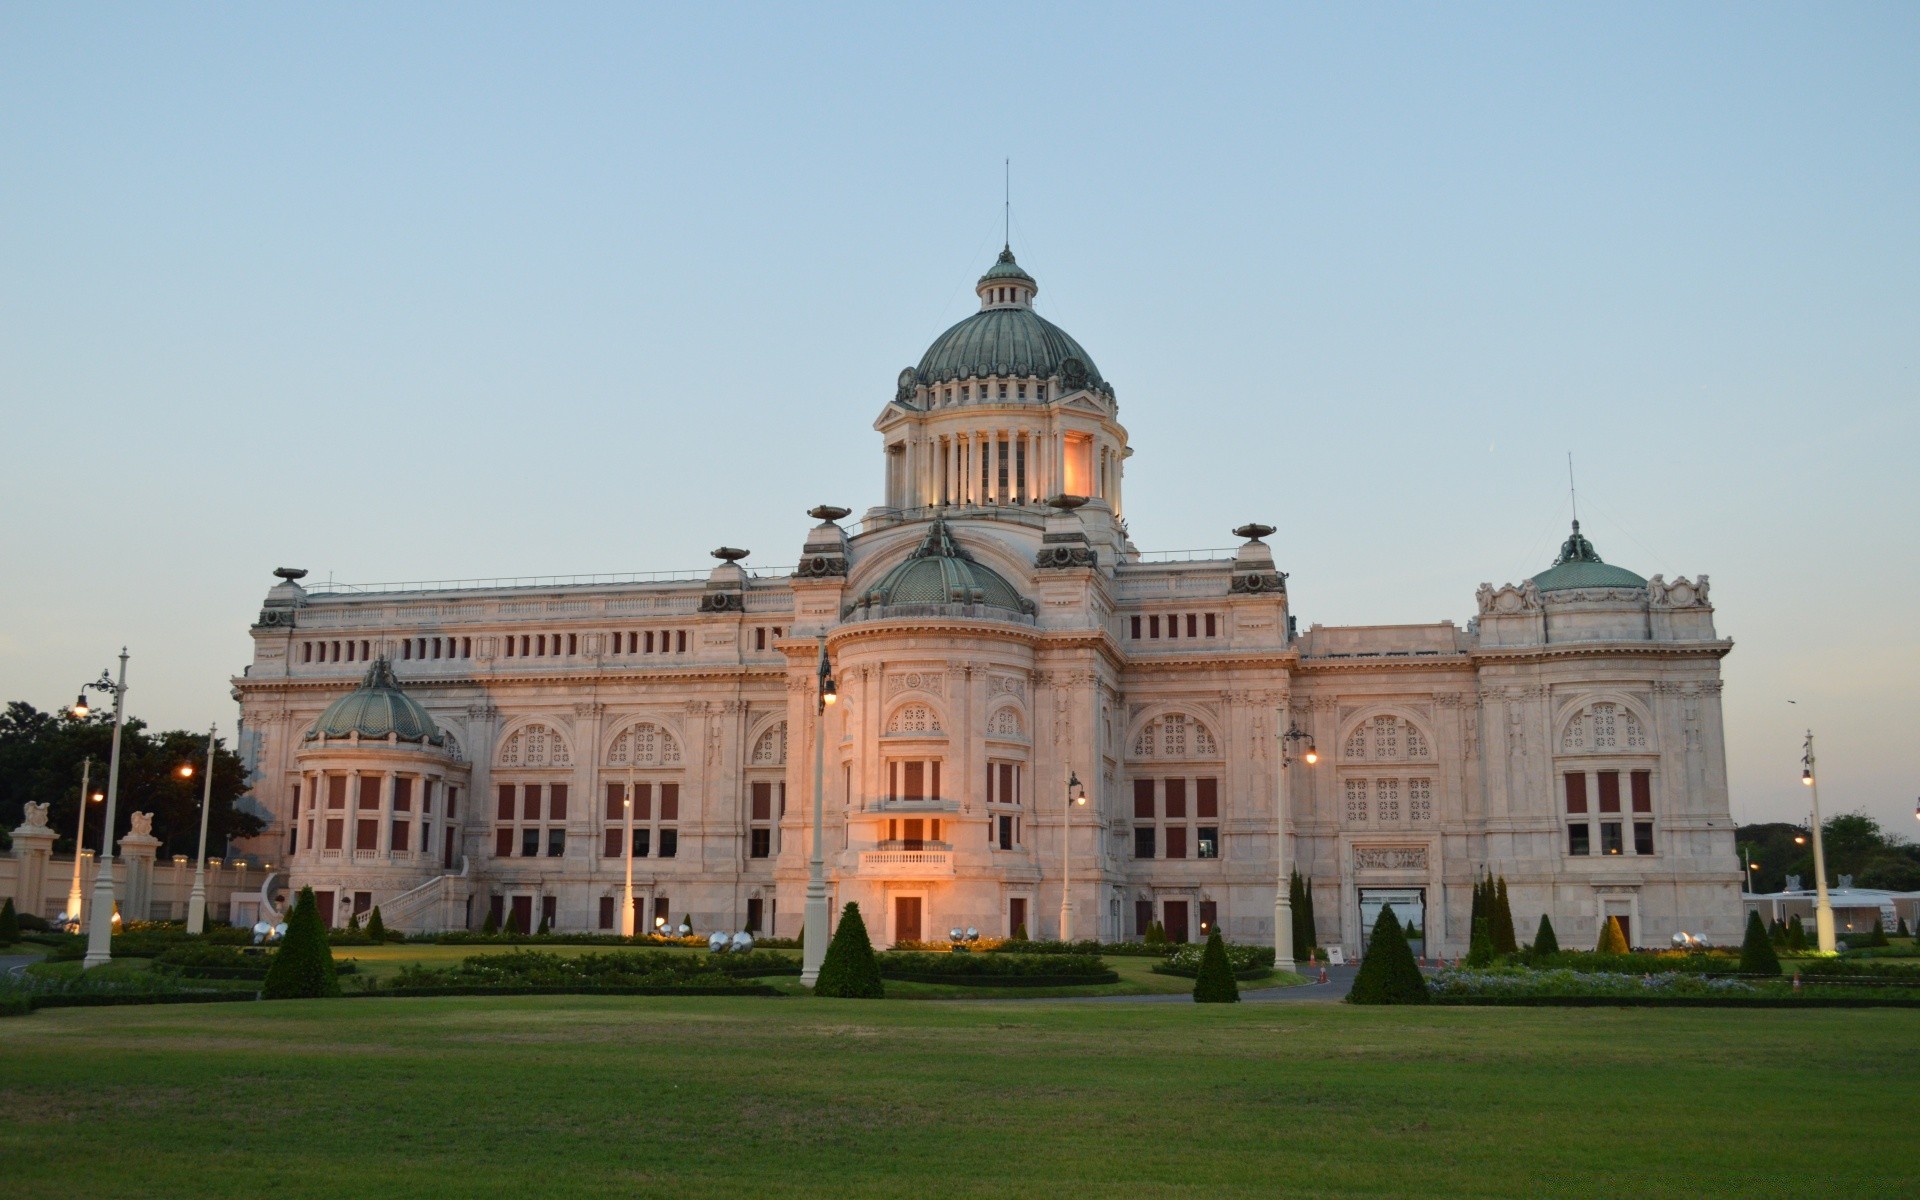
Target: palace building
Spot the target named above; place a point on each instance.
(450, 751)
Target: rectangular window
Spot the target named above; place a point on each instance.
(403, 794)
(369, 791)
(1209, 846)
(399, 836)
(453, 804)
(607, 904)
(642, 842)
(662, 911)
(642, 801)
(612, 848)
(1642, 791)
(1176, 841)
(1142, 917)
(530, 802)
(649, 649)
(366, 835)
(557, 802)
(616, 811)
(503, 843)
(1206, 799)
(1578, 835)
(446, 859)
(913, 786)
(1610, 842)
(1017, 914)
(1143, 842)
(1143, 800)
(1173, 625)
(760, 638)
(530, 843)
(669, 842)
(680, 641)
(336, 791)
(1176, 805)
(426, 797)
(1006, 833)
(669, 802)
(1153, 626)
(333, 833)
(762, 844)
(1211, 632)
(505, 811)
(556, 842)
(1209, 915)
(1576, 793)
(1193, 626)
(573, 647)
(1643, 837)
(1135, 624)
(1609, 791)
(762, 809)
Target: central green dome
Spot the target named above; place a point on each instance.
(940, 571)
(377, 709)
(1007, 338)
(1580, 566)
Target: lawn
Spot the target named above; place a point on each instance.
(722, 1097)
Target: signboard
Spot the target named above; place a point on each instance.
(1336, 956)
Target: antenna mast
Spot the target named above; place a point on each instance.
(1573, 492)
(1006, 204)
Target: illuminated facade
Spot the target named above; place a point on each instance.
(993, 633)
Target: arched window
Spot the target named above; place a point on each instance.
(535, 746)
(770, 750)
(1603, 727)
(1175, 736)
(1005, 722)
(914, 718)
(644, 745)
(1386, 739)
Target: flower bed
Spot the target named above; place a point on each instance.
(1566, 987)
(997, 970)
(1248, 962)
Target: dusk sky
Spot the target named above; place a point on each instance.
(417, 292)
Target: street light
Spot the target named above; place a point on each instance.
(626, 917)
(74, 897)
(814, 932)
(79, 710)
(197, 899)
(1823, 908)
(1282, 897)
(100, 929)
(1076, 795)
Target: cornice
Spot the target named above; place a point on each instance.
(1553, 651)
(721, 673)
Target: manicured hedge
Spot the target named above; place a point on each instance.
(1194, 972)
(743, 989)
(112, 999)
(1122, 949)
(1005, 981)
(941, 968)
(1679, 1001)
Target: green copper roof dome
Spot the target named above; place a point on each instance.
(376, 709)
(1579, 566)
(940, 571)
(1006, 337)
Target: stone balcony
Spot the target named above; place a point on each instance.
(906, 864)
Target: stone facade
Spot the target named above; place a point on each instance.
(1164, 686)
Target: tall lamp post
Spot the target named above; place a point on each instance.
(100, 928)
(1823, 907)
(197, 899)
(1076, 794)
(815, 929)
(75, 899)
(626, 913)
(1282, 896)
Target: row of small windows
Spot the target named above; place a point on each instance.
(539, 826)
(361, 650)
(1386, 801)
(765, 635)
(1163, 826)
(1607, 799)
(399, 817)
(1198, 625)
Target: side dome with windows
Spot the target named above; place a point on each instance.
(1580, 566)
(939, 572)
(377, 710)
(1006, 338)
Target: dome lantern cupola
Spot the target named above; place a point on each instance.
(1006, 284)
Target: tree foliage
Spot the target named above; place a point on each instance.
(9, 924)
(1388, 974)
(1796, 933)
(40, 757)
(1613, 939)
(1500, 920)
(1545, 941)
(849, 970)
(1854, 844)
(302, 967)
(1756, 952)
(1480, 949)
(1215, 984)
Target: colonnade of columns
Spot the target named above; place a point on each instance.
(328, 822)
(1009, 465)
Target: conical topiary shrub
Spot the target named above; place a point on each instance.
(1878, 935)
(1796, 933)
(1902, 930)
(1019, 933)
(1480, 949)
(303, 965)
(1309, 925)
(491, 925)
(1613, 939)
(376, 928)
(849, 970)
(1388, 974)
(1777, 934)
(9, 924)
(1215, 984)
(1500, 921)
(1756, 953)
(513, 922)
(1156, 934)
(1545, 941)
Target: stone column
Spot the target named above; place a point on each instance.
(32, 848)
(137, 850)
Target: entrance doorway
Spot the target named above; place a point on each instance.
(522, 918)
(324, 901)
(1174, 920)
(906, 918)
(1621, 911)
(1409, 908)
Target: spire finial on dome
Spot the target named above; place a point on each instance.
(1577, 548)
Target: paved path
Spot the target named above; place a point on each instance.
(14, 964)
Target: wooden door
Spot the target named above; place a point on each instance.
(323, 901)
(523, 914)
(906, 918)
(1175, 920)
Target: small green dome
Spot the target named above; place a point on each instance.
(1580, 566)
(940, 571)
(1005, 267)
(376, 709)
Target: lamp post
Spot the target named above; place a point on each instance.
(1282, 898)
(1076, 794)
(815, 929)
(1823, 907)
(626, 912)
(197, 899)
(74, 897)
(100, 928)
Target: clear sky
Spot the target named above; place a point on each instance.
(419, 292)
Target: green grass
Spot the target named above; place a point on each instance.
(720, 1097)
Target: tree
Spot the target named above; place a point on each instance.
(1796, 933)
(1388, 974)
(1501, 923)
(1479, 911)
(376, 928)
(513, 922)
(1903, 928)
(491, 925)
(1878, 935)
(1545, 942)
(1019, 933)
(849, 970)
(546, 926)
(1156, 934)
(1613, 939)
(9, 924)
(1480, 950)
(302, 967)
(1310, 925)
(1756, 953)
(1215, 983)
(1777, 934)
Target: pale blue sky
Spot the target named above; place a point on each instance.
(412, 292)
